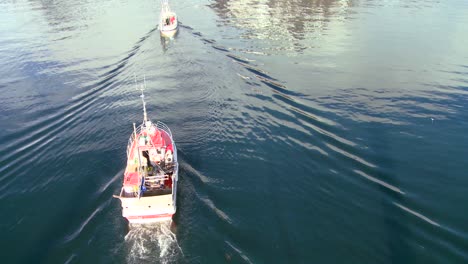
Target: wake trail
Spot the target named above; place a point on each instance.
(154, 243)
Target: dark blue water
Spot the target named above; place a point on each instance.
(308, 131)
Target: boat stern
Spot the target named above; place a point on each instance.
(148, 209)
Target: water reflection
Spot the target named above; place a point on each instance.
(167, 42)
(367, 128)
(66, 16)
(290, 20)
(83, 30)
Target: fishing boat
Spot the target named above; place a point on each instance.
(149, 186)
(168, 23)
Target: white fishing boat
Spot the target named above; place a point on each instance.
(168, 23)
(149, 186)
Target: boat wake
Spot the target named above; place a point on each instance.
(154, 243)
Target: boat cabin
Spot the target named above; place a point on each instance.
(150, 163)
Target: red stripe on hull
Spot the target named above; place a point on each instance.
(149, 216)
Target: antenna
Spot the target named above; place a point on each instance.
(136, 85)
(142, 88)
(145, 117)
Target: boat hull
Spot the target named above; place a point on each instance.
(148, 219)
(168, 22)
(169, 33)
(148, 209)
(149, 188)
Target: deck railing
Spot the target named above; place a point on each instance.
(160, 126)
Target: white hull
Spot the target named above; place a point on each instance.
(168, 22)
(149, 209)
(150, 220)
(168, 33)
(149, 188)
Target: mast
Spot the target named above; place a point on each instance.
(145, 117)
(140, 171)
(141, 177)
(142, 88)
(134, 133)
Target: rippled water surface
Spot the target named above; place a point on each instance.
(309, 131)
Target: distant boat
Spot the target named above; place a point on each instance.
(149, 187)
(168, 23)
